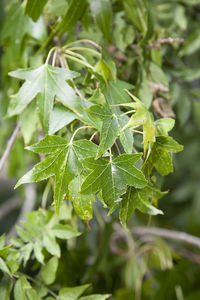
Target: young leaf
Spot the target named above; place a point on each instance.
(65, 232)
(48, 271)
(72, 293)
(112, 177)
(64, 162)
(34, 8)
(95, 297)
(20, 287)
(82, 203)
(4, 267)
(51, 244)
(159, 156)
(6, 285)
(46, 82)
(142, 117)
(139, 199)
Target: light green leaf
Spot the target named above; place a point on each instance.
(6, 285)
(20, 288)
(62, 231)
(45, 82)
(25, 253)
(164, 125)
(95, 297)
(48, 271)
(159, 156)
(112, 177)
(4, 268)
(102, 12)
(64, 162)
(72, 293)
(50, 244)
(32, 294)
(34, 8)
(37, 248)
(82, 203)
(28, 119)
(59, 118)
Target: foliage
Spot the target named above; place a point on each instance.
(92, 84)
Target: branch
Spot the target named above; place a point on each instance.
(158, 43)
(9, 145)
(169, 234)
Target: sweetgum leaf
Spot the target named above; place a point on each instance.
(112, 177)
(64, 162)
(82, 203)
(46, 82)
(142, 117)
(160, 158)
(139, 199)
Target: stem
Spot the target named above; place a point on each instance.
(117, 147)
(137, 131)
(79, 61)
(46, 193)
(93, 135)
(76, 55)
(75, 132)
(9, 145)
(89, 42)
(49, 54)
(86, 49)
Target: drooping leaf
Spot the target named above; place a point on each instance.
(139, 199)
(164, 125)
(72, 293)
(82, 203)
(20, 288)
(64, 161)
(95, 297)
(112, 177)
(4, 267)
(142, 117)
(48, 271)
(34, 8)
(102, 11)
(45, 82)
(160, 157)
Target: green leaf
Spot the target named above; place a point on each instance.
(32, 295)
(62, 231)
(72, 293)
(102, 12)
(112, 177)
(164, 125)
(48, 271)
(73, 14)
(4, 268)
(6, 285)
(64, 162)
(34, 8)
(50, 244)
(25, 253)
(28, 119)
(139, 199)
(59, 118)
(159, 156)
(136, 11)
(95, 297)
(142, 117)
(37, 249)
(82, 203)
(20, 288)
(45, 82)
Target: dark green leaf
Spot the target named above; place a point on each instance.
(34, 8)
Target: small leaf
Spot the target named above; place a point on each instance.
(95, 297)
(50, 244)
(60, 117)
(48, 271)
(64, 231)
(6, 285)
(4, 268)
(20, 288)
(72, 293)
(37, 248)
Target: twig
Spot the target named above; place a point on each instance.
(158, 43)
(9, 145)
(169, 234)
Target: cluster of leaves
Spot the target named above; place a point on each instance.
(38, 244)
(96, 83)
